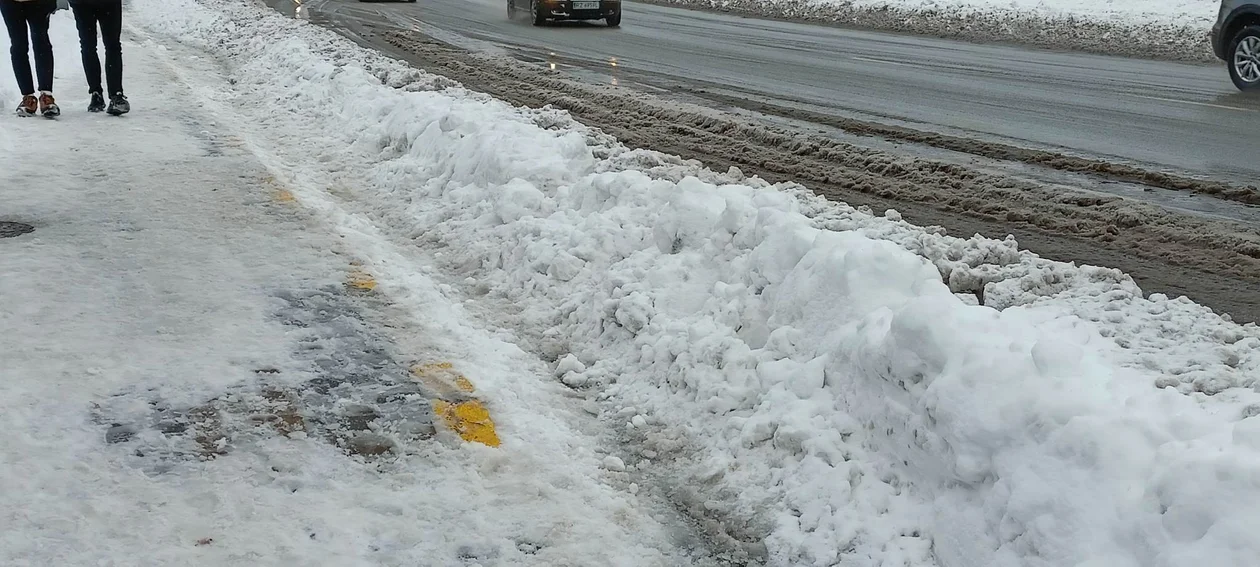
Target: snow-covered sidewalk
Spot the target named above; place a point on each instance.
(794, 375)
(193, 371)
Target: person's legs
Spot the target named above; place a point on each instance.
(111, 33)
(39, 17)
(85, 17)
(110, 16)
(19, 45)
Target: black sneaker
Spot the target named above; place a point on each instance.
(97, 104)
(118, 105)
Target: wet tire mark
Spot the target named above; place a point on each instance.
(1108, 170)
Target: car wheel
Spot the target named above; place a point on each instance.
(614, 20)
(1244, 59)
(535, 11)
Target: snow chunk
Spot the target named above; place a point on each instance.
(568, 364)
(614, 464)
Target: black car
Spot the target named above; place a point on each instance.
(1236, 39)
(544, 12)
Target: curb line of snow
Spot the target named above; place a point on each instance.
(1100, 34)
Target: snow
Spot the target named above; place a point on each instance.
(614, 464)
(1196, 13)
(1154, 29)
(169, 288)
(803, 372)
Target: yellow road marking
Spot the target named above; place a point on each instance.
(470, 420)
(361, 280)
(279, 193)
(441, 377)
(467, 417)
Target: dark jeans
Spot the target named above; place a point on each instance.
(108, 15)
(18, 18)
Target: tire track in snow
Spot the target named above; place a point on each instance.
(1104, 169)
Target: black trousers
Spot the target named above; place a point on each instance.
(21, 19)
(88, 15)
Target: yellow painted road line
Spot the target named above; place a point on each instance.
(468, 418)
(361, 280)
(278, 193)
(442, 378)
(461, 413)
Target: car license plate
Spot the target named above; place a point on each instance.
(586, 5)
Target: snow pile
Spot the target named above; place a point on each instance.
(1175, 29)
(804, 372)
(1175, 12)
(8, 92)
(9, 98)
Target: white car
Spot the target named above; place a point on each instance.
(1236, 40)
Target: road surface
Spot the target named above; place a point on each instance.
(1164, 115)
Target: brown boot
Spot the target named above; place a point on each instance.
(48, 105)
(29, 106)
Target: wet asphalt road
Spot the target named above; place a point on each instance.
(1168, 116)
